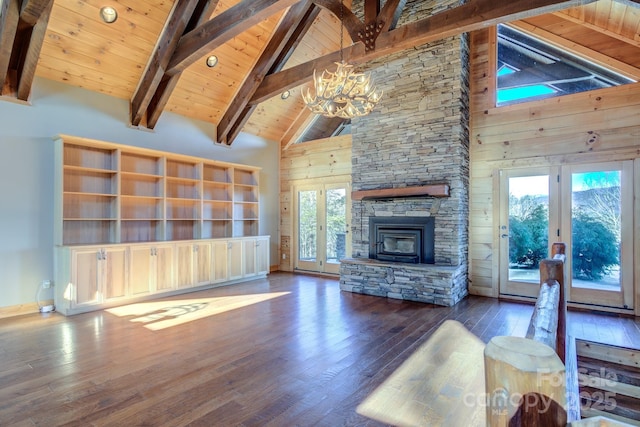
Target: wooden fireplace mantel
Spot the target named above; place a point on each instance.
(434, 190)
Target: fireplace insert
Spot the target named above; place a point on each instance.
(402, 239)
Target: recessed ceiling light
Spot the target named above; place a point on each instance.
(108, 14)
(285, 94)
(212, 61)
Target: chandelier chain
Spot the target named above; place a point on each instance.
(341, 30)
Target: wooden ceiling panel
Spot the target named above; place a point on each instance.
(323, 37)
(155, 10)
(565, 26)
(136, 27)
(616, 19)
(64, 72)
(272, 118)
(195, 110)
(81, 50)
(216, 87)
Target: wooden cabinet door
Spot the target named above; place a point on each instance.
(141, 263)
(202, 261)
(85, 276)
(262, 255)
(114, 277)
(220, 261)
(249, 253)
(236, 264)
(184, 265)
(164, 267)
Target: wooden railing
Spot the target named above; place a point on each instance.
(525, 378)
(549, 320)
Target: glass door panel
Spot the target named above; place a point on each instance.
(308, 229)
(336, 227)
(599, 225)
(526, 222)
(587, 207)
(322, 229)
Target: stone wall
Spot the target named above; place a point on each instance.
(417, 135)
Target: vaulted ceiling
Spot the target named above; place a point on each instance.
(154, 55)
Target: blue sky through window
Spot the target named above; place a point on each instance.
(506, 95)
(529, 68)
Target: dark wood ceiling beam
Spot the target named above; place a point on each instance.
(295, 38)
(286, 36)
(22, 30)
(371, 11)
(165, 47)
(32, 10)
(9, 18)
(289, 46)
(158, 103)
(390, 14)
(372, 24)
(471, 16)
(197, 43)
(29, 57)
(201, 14)
(161, 98)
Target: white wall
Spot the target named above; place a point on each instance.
(27, 170)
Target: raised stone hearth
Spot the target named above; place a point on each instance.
(435, 284)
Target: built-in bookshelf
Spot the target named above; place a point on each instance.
(141, 197)
(245, 202)
(112, 193)
(217, 201)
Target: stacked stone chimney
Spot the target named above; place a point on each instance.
(417, 135)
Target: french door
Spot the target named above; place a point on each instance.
(590, 208)
(322, 227)
(528, 226)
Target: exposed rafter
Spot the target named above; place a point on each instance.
(176, 54)
(201, 14)
(80, 50)
(474, 15)
(165, 47)
(286, 38)
(22, 30)
(230, 23)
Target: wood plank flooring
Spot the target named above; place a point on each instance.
(290, 350)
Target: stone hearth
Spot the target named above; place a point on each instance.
(435, 284)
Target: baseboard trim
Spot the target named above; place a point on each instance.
(22, 309)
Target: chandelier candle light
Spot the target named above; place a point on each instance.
(343, 93)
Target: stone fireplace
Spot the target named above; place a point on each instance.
(417, 137)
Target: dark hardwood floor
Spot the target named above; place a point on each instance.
(290, 350)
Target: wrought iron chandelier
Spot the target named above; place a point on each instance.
(343, 93)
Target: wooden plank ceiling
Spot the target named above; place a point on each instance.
(154, 55)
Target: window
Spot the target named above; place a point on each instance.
(530, 69)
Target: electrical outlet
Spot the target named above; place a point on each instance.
(46, 284)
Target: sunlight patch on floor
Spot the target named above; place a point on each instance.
(440, 384)
(156, 315)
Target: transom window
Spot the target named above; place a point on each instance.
(530, 69)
